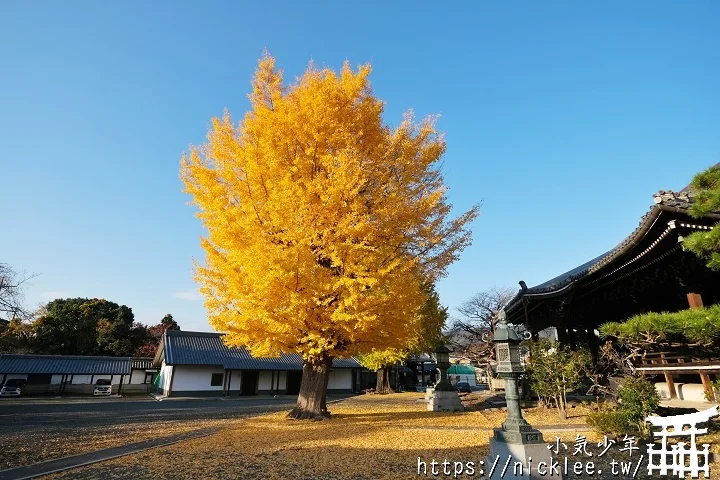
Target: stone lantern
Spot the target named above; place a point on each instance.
(442, 357)
(509, 365)
(444, 398)
(516, 438)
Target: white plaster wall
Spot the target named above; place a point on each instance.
(86, 379)
(195, 378)
(136, 377)
(56, 380)
(340, 379)
(115, 378)
(82, 379)
(235, 381)
(693, 392)
(264, 381)
(662, 390)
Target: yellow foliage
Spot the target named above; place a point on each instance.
(323, 222)
(378, 359)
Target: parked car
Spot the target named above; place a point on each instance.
(103, 387)
(463, 387)
(12, 387)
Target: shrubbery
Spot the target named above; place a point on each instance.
(554, 372)
(608, 420)
(637, 398)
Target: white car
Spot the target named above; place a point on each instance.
(103, 387)
(12, 387)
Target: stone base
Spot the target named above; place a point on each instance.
(429, 393)
(441, 401)
(532, 453)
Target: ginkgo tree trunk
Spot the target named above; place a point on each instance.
(381, 362)
(323, 222)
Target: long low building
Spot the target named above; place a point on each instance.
(199, 363)
(77, 374)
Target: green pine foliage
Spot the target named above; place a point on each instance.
(706, 244)
(654, 331)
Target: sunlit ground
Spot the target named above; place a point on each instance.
(369, 437)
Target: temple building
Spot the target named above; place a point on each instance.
(201, 364)
(648, 271)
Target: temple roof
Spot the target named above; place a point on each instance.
(664, 201)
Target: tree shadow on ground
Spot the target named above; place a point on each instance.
(316, 463)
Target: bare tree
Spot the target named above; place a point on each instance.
(479, 315)
(12, 294)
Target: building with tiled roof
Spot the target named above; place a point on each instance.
(647, 271)
(76, 374)
(200, 363)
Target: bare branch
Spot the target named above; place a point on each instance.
(12, 293)
(479, 316)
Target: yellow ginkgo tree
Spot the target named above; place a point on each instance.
(323, 223)
(431, 318)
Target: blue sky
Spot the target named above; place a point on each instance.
(562, 117)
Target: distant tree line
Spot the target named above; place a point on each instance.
(83, 326)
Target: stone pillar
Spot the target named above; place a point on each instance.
(512, 400)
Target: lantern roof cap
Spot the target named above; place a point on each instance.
(504, 332)
(442, 349)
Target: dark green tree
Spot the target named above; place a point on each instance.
(433, 319)
(82, 326)
(169, 323)
(706, 244)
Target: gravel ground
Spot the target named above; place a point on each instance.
(369, 437)
(38, 432)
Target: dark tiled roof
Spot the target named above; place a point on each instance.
(683, 199)
(567, 277)
(64, 364)
(142, 364)
(205, 348)
(664, 200)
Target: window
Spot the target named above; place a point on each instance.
(216, 380)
